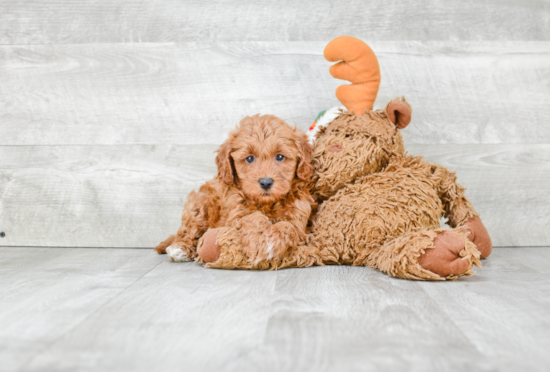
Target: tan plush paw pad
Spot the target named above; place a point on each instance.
(209, 250)
(479, 235)
(444, 259)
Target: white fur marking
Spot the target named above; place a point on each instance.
(177, 254)
(269, 249)
(302, 205)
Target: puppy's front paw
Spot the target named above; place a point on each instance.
(263, 250)
(270, 249)
(281, 236)
(177, 254)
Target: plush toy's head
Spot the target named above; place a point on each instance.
(359, 141)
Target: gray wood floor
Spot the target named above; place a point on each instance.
(64, 309)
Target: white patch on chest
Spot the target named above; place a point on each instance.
(269, 249)
(177, 254)
(302, 205)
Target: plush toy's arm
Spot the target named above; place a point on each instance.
(459, 209)
(222, 248)
(260, 239)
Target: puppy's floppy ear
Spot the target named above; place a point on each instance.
(224, 162)
(399, 112)
(304, 169)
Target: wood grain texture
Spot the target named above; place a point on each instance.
(132, 196)
(515, 270)
(106, 21)
(508, 185)
(183, 317)
(47, 293)
(194, 93)
(98, 196)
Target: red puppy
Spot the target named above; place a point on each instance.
(264, 172)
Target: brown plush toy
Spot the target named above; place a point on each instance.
(380, 207)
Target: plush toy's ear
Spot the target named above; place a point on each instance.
(399, 112)
(224, 162)
(304, 169)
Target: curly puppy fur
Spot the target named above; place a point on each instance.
(269, 221)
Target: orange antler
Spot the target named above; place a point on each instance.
(358, 65)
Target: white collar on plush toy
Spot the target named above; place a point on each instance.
(322, 119)
(325, 117)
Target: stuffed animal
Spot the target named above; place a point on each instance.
(379, 206)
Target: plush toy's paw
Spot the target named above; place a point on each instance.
(479, 236)
(444, 259)
(208, 249)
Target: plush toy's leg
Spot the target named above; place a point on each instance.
(460, 212)
(222, 248)
(227, 239)
(426, 255)
(479, 235)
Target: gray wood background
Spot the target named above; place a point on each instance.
(110, 110)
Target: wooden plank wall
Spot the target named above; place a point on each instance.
(110, 111)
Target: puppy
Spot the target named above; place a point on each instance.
(264, 173)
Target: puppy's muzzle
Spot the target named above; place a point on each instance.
(266, 183)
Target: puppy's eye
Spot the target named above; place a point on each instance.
(279, 157)
(250, 159)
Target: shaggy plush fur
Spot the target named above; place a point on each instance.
(268, 222)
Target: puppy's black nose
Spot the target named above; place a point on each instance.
(266, 183)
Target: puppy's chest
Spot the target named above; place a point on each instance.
(276, 213)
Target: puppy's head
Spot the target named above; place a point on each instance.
(264, 156)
